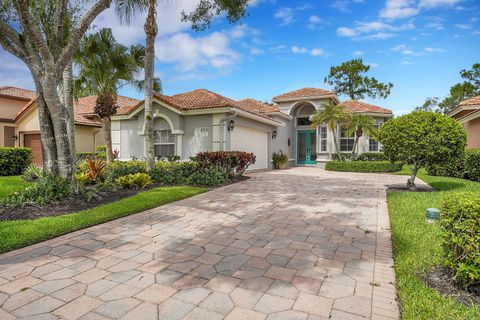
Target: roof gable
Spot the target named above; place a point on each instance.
(17, 93)
(473, 101)
(257, 106)
(303, 93)
(355, 106)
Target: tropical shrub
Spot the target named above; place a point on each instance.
(363, 166)
(13, 161)
(460, 222)
(32, 172)
(422, 139)
(472, 164)
(47, 189)
(96, 167)
(280, 160)
(82, 178)
(233, 163)
(173, 172)
(119, 169)
(367, 156)
(135, 181)
(208, 177)
(101, 149)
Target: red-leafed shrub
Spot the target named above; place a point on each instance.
(234, 163)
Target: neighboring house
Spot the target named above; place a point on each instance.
(468, 114)
(201, 120)
(19, 125)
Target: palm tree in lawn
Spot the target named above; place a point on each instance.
(332, 115)
(358, 124)
(104, 66)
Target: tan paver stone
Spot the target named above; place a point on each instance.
(245, 314)
(288, 315)
(313, 304)
(145, 311)
(244, 298)
(141, 281)
(283, 289)
(357, 305)
(78, 307)
(69, 293)
(222, 283)
(219, 302)
(279, 273)
(119, 292)
(43, 305)
(6, 315)
(269, 304)
(340, 315)
(21, 298)
(156, 293)
(193, 295)
(256, 284)
(117, 308)
(173, 309)
(53, 285)
(91, 275)
(20, 284)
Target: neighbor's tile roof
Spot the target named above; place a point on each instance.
(17, 93)
(86, 105)
(363, 107)
(303, 93)
(471, 102)
(257, 106)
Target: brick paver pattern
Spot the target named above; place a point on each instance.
(301, 243)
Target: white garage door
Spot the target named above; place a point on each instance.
(251, 140)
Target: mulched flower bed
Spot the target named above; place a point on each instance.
(442, 280)
(78, 203)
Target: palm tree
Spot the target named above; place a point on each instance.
(332, 115)
(104, 66)
(359, 124)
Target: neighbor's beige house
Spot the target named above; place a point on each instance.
(468, 114)
(19, 124)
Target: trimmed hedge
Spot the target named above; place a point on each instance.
(460, 222)
(173, 172)
(367, 156)
(88, 155)
(14, 160)
(467, 166)
(363, 166)
(233, 163)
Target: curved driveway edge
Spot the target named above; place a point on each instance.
(303, 243)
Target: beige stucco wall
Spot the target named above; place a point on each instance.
(473, 133)
(9, 108)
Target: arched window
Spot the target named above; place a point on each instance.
(164, 143)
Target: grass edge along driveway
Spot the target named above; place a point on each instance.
(418, 247)
(21, 233)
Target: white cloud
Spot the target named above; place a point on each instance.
(341, 5)
(437, 3)
(358, 53)
(407, 51)
(434, 25)
(286, 15)
(315, 22)
(315, 52)
(462, 26)
(189, 53)
(374, 30)
(397, 9)
(299, 50)
(432, 49)
(476, 32)
(14, 72)
(256, 51)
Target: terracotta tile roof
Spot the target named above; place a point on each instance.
(359, 106)
(303, 93)
(203, 99)
(257, 106)
(471, 102)
(86, 105)
(17, 93)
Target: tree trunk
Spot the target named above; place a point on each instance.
(335, 142)
(150, 32)
(411, 180)
(68, 102)
(107, 132)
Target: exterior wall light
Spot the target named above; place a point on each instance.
(231, 125)
(433, 215)
(274, 134)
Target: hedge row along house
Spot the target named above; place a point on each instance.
(201, 120)
(19, 125)
(468, 114)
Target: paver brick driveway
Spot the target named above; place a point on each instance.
(296, 244)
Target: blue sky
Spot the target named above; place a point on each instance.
(418, 45)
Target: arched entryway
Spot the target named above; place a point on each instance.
(305, 135)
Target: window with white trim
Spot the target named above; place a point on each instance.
(164, 143)
(323, 138)
(346, 140)
(373, 145)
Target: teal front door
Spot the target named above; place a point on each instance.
(306, 147)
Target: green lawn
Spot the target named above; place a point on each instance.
(20, 233)
(11, 184)
(417, 247)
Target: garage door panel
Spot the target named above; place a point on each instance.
(33, 141)
(251, 140)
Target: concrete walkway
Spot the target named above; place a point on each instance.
(302, 243)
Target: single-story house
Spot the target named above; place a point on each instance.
(468, 114)
(19, 125)
(201, 120)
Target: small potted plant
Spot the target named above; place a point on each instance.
(280, 160)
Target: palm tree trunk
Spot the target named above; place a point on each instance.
(150, 32)
(68, 101)
(335, 142)
(107, 132)
(355, 144)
